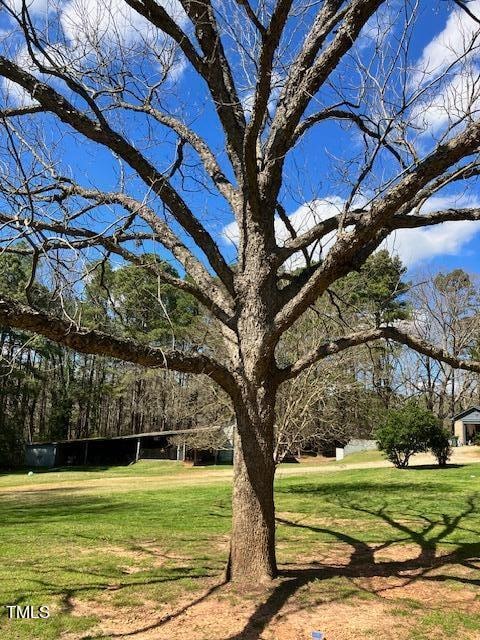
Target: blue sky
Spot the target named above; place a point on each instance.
(312, 188)
(467, 258)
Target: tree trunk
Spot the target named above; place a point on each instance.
(252, 552)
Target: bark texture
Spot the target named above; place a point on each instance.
(252, 555)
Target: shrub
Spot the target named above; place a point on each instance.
(406, 431)
(439, 444)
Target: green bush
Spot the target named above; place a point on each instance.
(406, 431)
(439, 444)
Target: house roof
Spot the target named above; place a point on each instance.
(132, 436)
(465, 413)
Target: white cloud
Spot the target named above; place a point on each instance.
(93, 23)
(416, 246)
(457, 98)
(14, 93)
(413, 246)
(450, 62)
(105, 28)
(35, 7)
(459, 38)
(111, 28)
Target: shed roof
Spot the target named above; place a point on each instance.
(131, 436)
(466, 413)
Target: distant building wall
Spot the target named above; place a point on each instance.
(225, 456)
(473, 417)
(356, 445)
(40, 455)
(160, 453)
(124, 450)
(458, 431)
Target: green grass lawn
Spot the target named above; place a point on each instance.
(145, 468)
(68, 539)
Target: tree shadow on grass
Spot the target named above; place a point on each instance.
(429, 539)
(68, 596)
(164, 620)
(434, 467)
(428, 533)
(106, 582)
(370, 487)
(363, 564)
(47, 507)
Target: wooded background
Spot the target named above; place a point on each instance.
(49, 392)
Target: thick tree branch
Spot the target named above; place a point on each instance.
(282, 214)
(212, 66)
(203, 289)
(326, 20)
(155, 13)
(270, 41)
(328, 349)
(416, 343)
(163, 234)
(401, 221)
(52, 101)
(20, 111)
(436, 217)
(306, 79)
(204, 152)
(252, 16)
(353, 247)
(17, 316)
(317, 232)
(218, 75)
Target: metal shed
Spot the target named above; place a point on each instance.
(41, 455)
(119, 450)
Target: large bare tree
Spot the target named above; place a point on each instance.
(133, 127)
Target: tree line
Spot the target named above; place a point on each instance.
(50, 392)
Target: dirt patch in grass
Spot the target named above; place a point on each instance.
(388, 596)
(226, 616)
